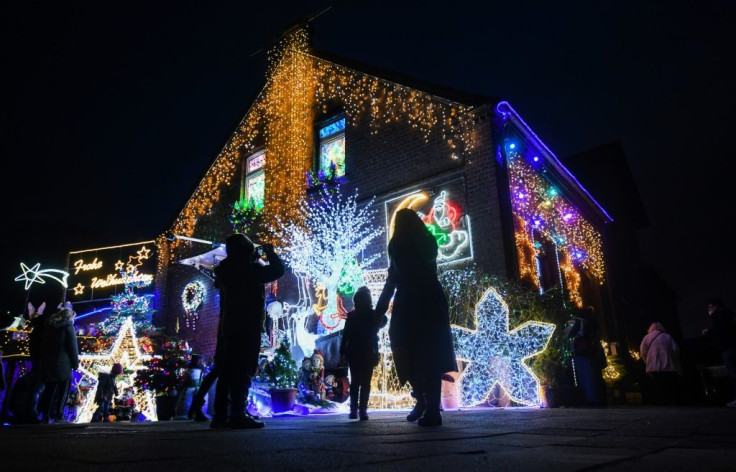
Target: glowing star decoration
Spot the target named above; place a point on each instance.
(33, 275)
(496, 355)
(119, 265)
(191, 298)
(126, 351)
(78, 289)
(143, 253)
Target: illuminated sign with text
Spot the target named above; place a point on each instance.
(96, 274)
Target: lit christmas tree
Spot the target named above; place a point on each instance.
(329, 245)
(165, 372)
(281, 371)
(128, 304)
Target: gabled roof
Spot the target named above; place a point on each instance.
(439, 91)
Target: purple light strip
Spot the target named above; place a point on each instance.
(504, 110)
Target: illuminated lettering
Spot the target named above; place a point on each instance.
(114, 279)
(81, 266)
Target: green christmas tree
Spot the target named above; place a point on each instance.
(165, 374)
(281, 371)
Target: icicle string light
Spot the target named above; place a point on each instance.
(298, 83)
(539, 209)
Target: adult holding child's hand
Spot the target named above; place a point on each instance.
(421, 339)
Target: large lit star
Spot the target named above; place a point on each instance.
(33, 275)
(125, 351)
(496, 355)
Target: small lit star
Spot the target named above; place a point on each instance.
(119, 265)
(143, 253)
(79, 289)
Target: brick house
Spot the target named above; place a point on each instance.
(498, 197)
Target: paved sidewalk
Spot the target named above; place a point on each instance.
(515, 439)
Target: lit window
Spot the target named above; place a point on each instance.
(332, 148)
(255, 179)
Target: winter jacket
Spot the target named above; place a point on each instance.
(359, 343)
(59, 354)
(722, 329)
(420, 334)
(107, 388)
(660, 352)
(242, 301)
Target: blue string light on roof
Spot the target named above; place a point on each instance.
(497, 355)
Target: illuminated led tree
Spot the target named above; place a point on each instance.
(328, 246)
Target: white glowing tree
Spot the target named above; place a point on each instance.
(327, 246)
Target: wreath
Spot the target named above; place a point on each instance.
(192, 297)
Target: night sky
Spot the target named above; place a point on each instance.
(112, 112)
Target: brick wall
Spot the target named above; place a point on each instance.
(386, 165)
(202, 339)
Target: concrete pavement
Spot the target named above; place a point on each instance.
(631, 438)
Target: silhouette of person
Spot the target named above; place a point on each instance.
(660, 353)
(721, 332)
(359, 347)
(421, 339)
(588, 356)
(241, 278)
(107, 390)
(35, 385)
(195, 409)
(59, 356)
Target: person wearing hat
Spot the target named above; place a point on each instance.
(241, 279)
(59, 356)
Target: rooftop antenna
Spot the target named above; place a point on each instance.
(296, 24)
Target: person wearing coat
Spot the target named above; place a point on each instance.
(58, 357)
(240, 278)
(420, 334)
(359, 347)
(660, 353)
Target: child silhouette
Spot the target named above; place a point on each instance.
(359, 347)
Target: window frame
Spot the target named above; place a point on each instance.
(330, 139)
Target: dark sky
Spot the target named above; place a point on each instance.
(112, 111)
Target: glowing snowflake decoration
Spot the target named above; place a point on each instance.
(497, 355)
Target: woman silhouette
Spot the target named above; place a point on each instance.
(421, 340)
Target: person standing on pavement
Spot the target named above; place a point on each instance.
(59, 356)
(241, 277)
(721, 332)
(661, 353)
(420, 334)
(359, 347)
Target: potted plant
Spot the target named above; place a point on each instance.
(280, 375)
(165, 376)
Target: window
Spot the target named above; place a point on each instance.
(332, 148)
(255, 179)
(547, 263)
